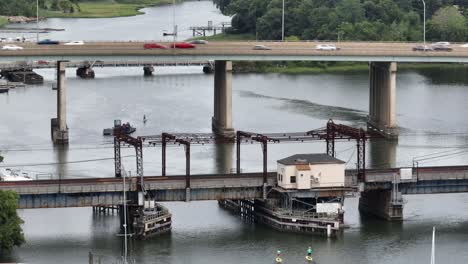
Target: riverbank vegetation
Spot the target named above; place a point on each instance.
(367, 20)
(11, 234)
(77, 8)
(101, 8)
(3, 21)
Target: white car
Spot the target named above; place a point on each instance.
(326, 47)
(261, 47)
(11, 47)
(464, 45)
(74, 43)
(441, 43)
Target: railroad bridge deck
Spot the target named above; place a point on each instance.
(108, 191)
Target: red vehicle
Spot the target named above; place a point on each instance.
(154, 46)
(182, 45)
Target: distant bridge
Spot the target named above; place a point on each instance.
(108, 191)
(77, 64)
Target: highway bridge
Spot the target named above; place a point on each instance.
(382, 57)
(82, 192)
(236, 51)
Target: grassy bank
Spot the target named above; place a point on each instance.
(108, 8)
(3, 21)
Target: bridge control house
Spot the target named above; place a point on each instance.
(308, 196)
(306, 171)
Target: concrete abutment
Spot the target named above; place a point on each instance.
(385, 204)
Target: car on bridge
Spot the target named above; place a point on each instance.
(422, 48)
(198, 41)
(11, 47)
(153, 46)
(74, 43)
(442, 48)
(182, 45)
(326, 47)
(464, 45)
(47, 42)
(261, 47)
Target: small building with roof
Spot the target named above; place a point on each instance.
(306, 171)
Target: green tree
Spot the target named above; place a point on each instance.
(448, 24)
(11, 234)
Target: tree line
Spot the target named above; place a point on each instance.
(28, 7)
(370, 20)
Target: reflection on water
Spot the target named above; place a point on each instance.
(382, 153)
(223, 158)
(445, 75)
(314, 110)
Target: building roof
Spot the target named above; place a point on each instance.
(316, 158)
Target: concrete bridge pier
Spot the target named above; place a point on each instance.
(148, 70)
(85, 72)
(386, 204)
(382, 98)
(222, 118)
(59, 126)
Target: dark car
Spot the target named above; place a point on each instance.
(48, 42)
(440, 47)
(154, 46)
(423, 48)
(182, 45)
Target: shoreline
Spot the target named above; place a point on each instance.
(98, 9)
(105, 9)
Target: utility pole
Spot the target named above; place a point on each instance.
(37, 20)
(174, 30)
(424, 26)
(282, 25)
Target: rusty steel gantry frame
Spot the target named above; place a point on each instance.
(263, 140)
(121, 138)
(338, 131)
(331, 133)
(166, 137)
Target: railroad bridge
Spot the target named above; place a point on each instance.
(380, 189)
(380, 183)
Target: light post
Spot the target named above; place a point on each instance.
(282, 25)
(174, 31)
(424, 26)
(37, 20)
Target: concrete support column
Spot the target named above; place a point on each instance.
(59, 125)
(384, 204)
(382, 98)
(222, 118)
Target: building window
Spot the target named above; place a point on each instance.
(293, 179)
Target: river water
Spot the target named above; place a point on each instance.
(430, 107)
